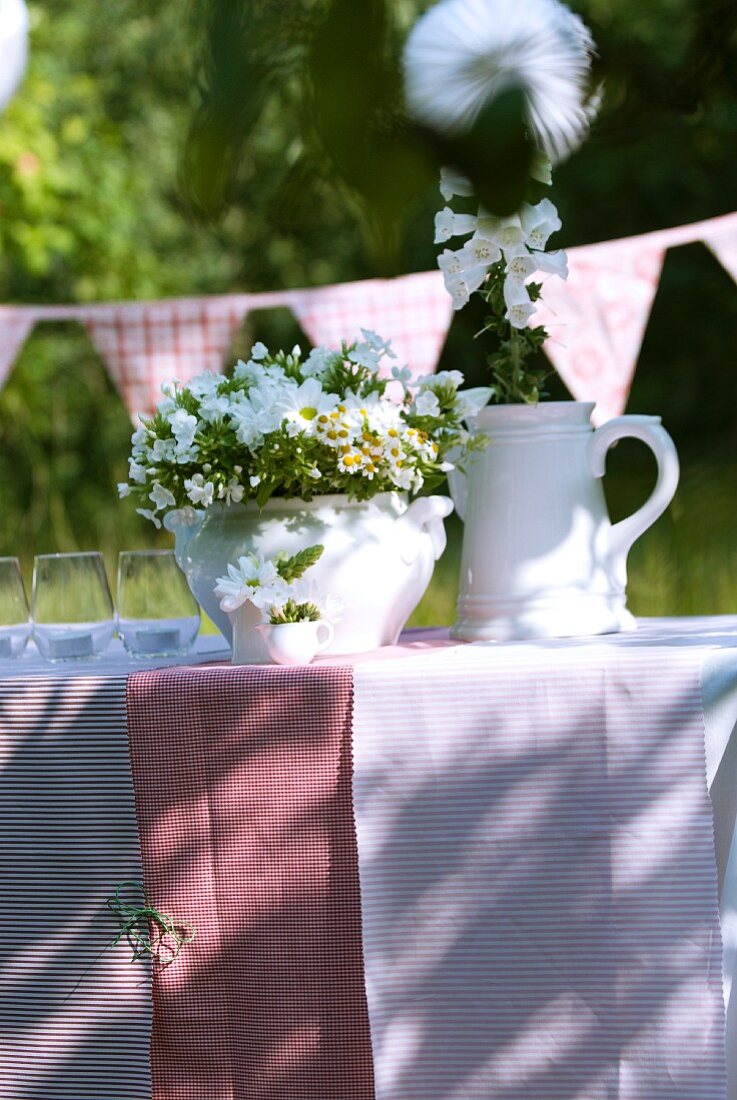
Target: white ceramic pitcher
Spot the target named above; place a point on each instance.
(541, 558)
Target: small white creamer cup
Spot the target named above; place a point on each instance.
(295, 643)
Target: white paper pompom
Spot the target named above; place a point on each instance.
(463, 53)
(13, 47)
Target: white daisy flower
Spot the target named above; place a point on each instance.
(350, 460)
(244, 580)
(337, 428)
(463, 53)
(300, 405)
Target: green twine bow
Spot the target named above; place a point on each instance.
(136, 916)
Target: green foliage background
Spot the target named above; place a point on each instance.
(172, 148)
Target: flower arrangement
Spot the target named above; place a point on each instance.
(285, 426)
(277, 588)
(460, 56)
(499, 262)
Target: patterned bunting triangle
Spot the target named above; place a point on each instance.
(15, 328)
(146, 344)
(413, 311)
(597, 319)
(723, 243)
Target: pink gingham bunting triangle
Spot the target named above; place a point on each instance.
(597, 319)
(413, 311)
(147, 343)
(723, 243)
(15, 328)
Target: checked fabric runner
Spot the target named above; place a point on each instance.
(243, 791)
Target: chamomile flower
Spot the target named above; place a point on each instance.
(350, 460)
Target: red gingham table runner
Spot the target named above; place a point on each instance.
(243, 790)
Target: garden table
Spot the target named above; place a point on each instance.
(440, 872)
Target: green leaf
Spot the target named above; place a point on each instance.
(264, 492)
(295, 567)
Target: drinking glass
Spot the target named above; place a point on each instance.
(157, 614)
(15, 627)
(71, 606)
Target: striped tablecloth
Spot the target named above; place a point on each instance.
(75, 1016)
(529, 911)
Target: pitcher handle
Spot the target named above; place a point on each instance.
(458, 485)
(649, 430)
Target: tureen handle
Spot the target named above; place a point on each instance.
(649, 430)
(183, 524)
(424, 515)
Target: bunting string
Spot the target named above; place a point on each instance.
(596, 320)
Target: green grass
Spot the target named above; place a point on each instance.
(685, 565)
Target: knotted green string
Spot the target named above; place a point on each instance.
(136, 916)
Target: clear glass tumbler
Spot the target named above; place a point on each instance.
(15, 626)
(71, 607)
(157, 614)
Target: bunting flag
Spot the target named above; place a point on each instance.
(414, 312)
(146, 344)
(16, 323)
(723, 243)
(596, 320)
